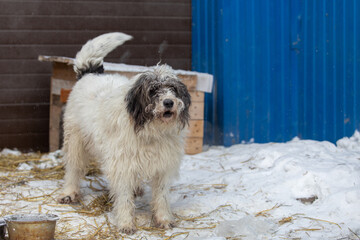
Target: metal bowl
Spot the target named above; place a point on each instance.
(31, 226)
(2, 229)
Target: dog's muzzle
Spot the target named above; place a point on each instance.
(168, 104)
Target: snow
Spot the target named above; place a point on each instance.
(301, 189)
(7, 151)
(261, 176)
(47, 161)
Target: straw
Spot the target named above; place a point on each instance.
(91, 213)
(264, 213)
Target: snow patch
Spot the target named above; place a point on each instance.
(7, 151)
(247, 227)
(247, 191)
(352, 143)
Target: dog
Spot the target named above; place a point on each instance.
(135, 128)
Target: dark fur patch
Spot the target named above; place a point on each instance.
(90, 69)
(138, 102)
(142, 97)
(182, 93)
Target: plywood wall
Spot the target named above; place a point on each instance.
(161, 30)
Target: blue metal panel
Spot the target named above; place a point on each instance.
(281, 68)
(329, 64)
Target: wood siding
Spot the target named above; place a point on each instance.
(28, 28)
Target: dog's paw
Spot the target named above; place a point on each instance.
(139, 192)
(68, 198)
(164, 224)
(129, 230)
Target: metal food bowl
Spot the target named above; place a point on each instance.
(2, 229)
(31, 226)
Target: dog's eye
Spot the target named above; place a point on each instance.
(152, 91)
(172, 88)
(175, 90)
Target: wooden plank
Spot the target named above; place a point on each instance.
(89, 1)
(75, 37)
(32, 51)
(19, 66)
(63, 71)
(25, 141)
(197, 96)
(55, 133)
(105, 23)
(196, 128)
(96, 8)
(140, 1)
(25, 81)
(193, 145)
(197, 111)
(168, 51)
(24, 111)
(10, 96)
(189, 80)
(123, 52)
(64, 95)
(24, 126)
(58, 84)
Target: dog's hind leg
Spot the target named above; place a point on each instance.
(75, 167)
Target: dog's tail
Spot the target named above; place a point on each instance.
(90, 58)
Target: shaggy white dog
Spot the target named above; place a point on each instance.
(135, 128)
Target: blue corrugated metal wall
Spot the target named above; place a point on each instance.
(281, 68)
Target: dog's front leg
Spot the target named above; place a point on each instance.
(124, 206)
(162, 216)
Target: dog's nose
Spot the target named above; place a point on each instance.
(168, 103)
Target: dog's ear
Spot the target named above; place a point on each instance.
(183, 94)
(138, 101)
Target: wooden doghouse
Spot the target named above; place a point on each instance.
(63, 79)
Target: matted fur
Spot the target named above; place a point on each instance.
(130, 128)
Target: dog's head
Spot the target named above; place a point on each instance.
(158, 96)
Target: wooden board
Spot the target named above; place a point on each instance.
(96, 8)
(24, 111)
(19, 126)
(108, 23)
(28, 51)
(189, 80)
(29, 141)
(63, 71)
(55, 128)
(193, 145)
(197, 96)
(19, 96)
(25, 81)
(64, 95)
(80, 37)
(197, 110)
(196, 128)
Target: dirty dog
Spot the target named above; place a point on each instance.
(135, 128)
